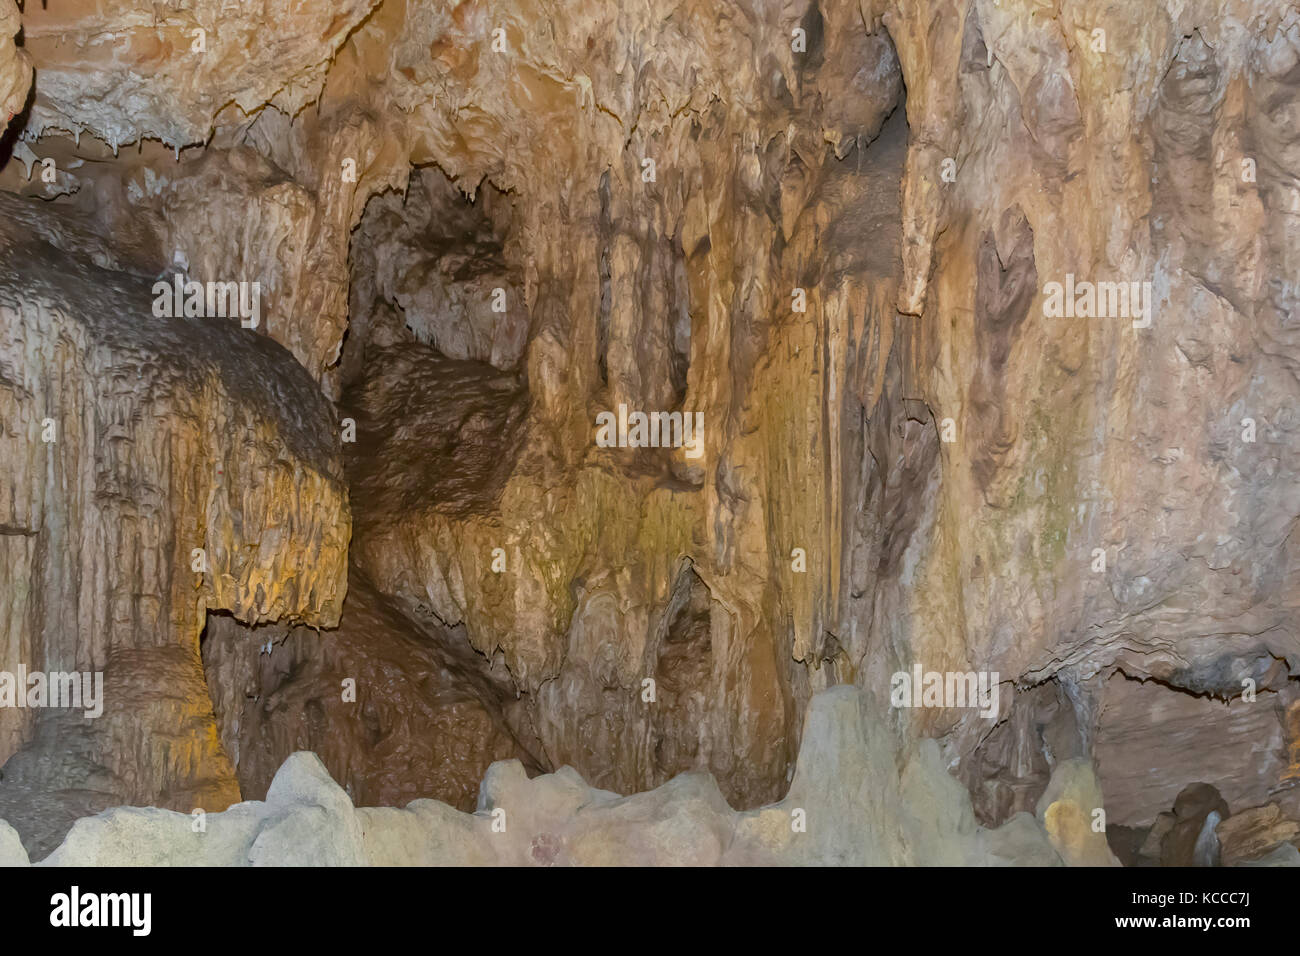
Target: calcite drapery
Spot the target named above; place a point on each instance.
(831, 230)
(154, 469)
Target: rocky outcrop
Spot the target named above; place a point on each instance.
(1028, 544)
(15, 66)
(841, 810)
(129, 70)
(153, 469)
(1201, 830)
(1253, 834)
(1071, 811)
(987, 310)
(1142, 723)
(393, 711)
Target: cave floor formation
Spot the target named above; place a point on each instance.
(643, 432)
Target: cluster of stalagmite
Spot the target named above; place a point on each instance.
(840, 237)
(855, 800)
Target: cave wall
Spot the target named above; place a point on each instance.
(152, 470)
(417, 713)
(914, 175)
(1079, 434)
(649, 294)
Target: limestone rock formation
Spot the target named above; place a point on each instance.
(1070, 810)
(129, 69)
(15, 65)
(835, 814)
(967, 341)
(1200, 829)
(153, 469)
(1191, 838)
(1255, 833)
(396, 714)
(12, 852)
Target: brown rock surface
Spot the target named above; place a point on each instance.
(165, 436)
(1251, 834)
(860, 810)
(1198, 808)
(421, 718)
(1151, 739)
(127, 69)
(829, 229)
(15, 65)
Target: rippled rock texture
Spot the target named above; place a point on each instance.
(984, 315)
